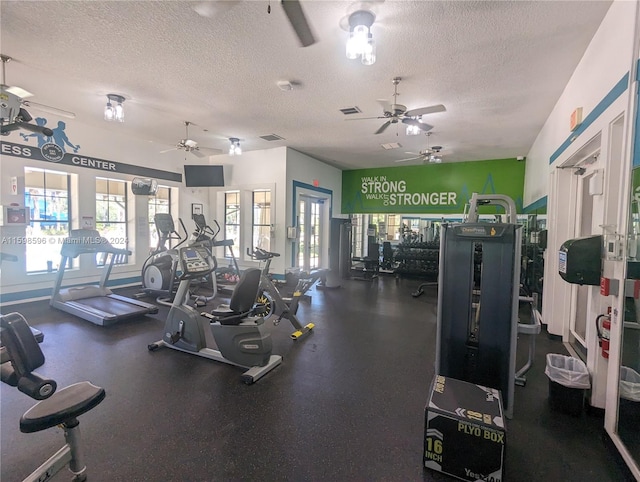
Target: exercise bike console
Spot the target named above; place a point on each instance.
(196, 262)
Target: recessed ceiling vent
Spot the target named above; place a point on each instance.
(391, 145)
(351, 110)
(272, 137)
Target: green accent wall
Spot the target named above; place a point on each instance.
(430, 188)
(635, 185)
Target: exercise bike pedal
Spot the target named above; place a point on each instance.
(296, 335)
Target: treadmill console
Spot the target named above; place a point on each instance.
(196, 261)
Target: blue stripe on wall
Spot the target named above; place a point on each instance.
(609, 99)
(540, 203)
(27, 295)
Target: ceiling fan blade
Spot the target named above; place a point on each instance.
(19, 91)
(169, 150)
(383, 127)
(49, 109)
(415, 122)
(411, 122)
(425, 110)
(213, 9)
(408, 159)
(366, 118)
(197, 153)
(45, 131)
(295, 14)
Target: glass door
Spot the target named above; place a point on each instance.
(585, 217)
(311, 226)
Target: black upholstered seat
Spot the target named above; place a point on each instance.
(63, 406)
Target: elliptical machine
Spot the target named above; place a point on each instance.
(240, 337)
(159, 271)
(225, 279)
(204, 236)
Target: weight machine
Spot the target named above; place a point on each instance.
(478, 300)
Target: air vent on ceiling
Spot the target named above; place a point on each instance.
(391, 145)
(272, 137)
(351, 110)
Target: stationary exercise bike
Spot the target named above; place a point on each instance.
(275, 303)
(240, 336)
(20, 355)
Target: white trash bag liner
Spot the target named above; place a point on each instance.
(567, 371)
(629, 384)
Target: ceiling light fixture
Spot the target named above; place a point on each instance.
(114, 113)
(413, 130)
(360, 42)
(234, 148)
(435, 156)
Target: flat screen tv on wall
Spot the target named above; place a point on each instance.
(203, 176)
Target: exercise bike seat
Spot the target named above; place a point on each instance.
(62, 407)
(243, 300)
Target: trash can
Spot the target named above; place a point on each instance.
(568, 382)
(629, 408)
(629, 384)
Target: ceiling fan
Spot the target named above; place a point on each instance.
(395, 112)
(432, 155)
(189, 145)
(292, 9)
(13, 115)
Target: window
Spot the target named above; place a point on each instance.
(393, 227)
(46, 194)
(232, 219)
(357, 222)
(262, 220)
(160, 203)
(111, 215)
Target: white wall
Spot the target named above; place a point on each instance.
(305, 169)
(263, 169)
(608, 57)
(274, 169)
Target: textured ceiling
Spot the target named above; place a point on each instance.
(498, 67)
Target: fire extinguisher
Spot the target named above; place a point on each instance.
(603, 327)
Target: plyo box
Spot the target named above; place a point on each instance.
(464, 430)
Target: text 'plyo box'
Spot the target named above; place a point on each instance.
(464, 434)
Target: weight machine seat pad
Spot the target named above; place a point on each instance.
(63, 406)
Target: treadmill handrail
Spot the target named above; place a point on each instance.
(88, 241)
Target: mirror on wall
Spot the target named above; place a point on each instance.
(629, 387)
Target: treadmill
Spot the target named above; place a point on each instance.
(94, 303)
